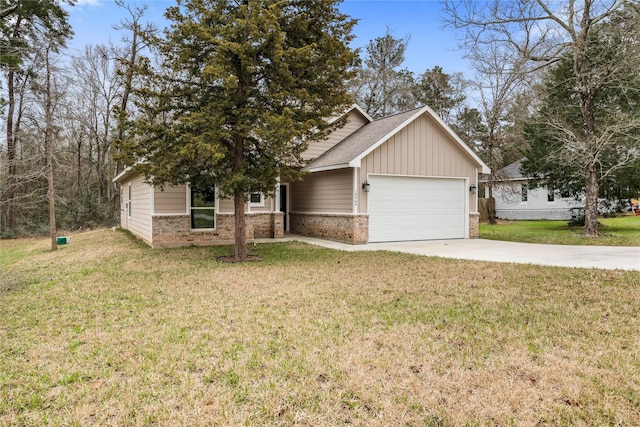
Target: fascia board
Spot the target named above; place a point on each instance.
(353, 107)
(327, 168)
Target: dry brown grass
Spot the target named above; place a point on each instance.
(108, 332)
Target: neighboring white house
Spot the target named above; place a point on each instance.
(516, 199)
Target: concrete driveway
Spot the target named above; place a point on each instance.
(604, 257)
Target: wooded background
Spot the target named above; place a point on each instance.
(64, 116)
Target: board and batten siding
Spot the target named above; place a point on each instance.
(140, 221)
(423, 148)
(170, 200)
(355, 121)
(324, 192)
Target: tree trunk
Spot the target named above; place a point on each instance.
(48, 141)
(591, 202)
(9, 202)
(122, 114)
(9, 194)
(240, 228)
(491, 203)
(491, 210)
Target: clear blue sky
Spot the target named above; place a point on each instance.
(430, 44)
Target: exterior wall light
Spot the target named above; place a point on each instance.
(366, 186)
(472, 189)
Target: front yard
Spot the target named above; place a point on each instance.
(620, 231)
(108, 332)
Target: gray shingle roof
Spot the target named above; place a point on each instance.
(360, 141)
(512, 171)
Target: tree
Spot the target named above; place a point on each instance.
(469, 126)
(21, 22)
(499, 83)
(247, 84)
(546, 32)
(128, 60)
(382, 87)
(558, 121)
(48, 140)
(443, 92)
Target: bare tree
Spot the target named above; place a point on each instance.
(128, 59)
(21, 25)
(48, 142)
(499, 81)
(544, 32)
(99, 87)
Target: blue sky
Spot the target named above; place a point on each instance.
(430, 44)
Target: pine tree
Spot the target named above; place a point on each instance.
(244, 85)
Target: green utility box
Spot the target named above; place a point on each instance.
(63, 240)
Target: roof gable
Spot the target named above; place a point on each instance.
(351, 150)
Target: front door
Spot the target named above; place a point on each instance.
(283, 205)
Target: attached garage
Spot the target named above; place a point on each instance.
(416, 208)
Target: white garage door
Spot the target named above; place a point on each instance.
(414, 208)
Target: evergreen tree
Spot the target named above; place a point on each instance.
(382, 87)
(441, 91)
(470, 127)
(244, 85)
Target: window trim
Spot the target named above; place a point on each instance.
(259, 204)
(551, 194)
(129, 203)
(192, 208)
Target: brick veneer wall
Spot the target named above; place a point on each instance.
(346, 228)
(474, 225)
(175, 230)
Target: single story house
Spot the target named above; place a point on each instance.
(403, 177)
(516, 199)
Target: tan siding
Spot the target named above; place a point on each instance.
(140, 221)
(423, 148)
(171, 200)
(225, 206)
(355, 121)
(324, 192)
(268, 205)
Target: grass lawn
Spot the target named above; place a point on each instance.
(106, 331)
(620, 231)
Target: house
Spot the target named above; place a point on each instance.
(517, 199)
(403, 177)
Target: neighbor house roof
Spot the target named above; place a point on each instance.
(350, 151)
(511, 172)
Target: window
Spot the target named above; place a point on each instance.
(551, 193)
(256, 199)
(129, 202)
(525, 192)
(203, 207)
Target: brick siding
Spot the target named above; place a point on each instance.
(353, 229)
(175, 230)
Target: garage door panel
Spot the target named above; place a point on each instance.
(414, 208)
